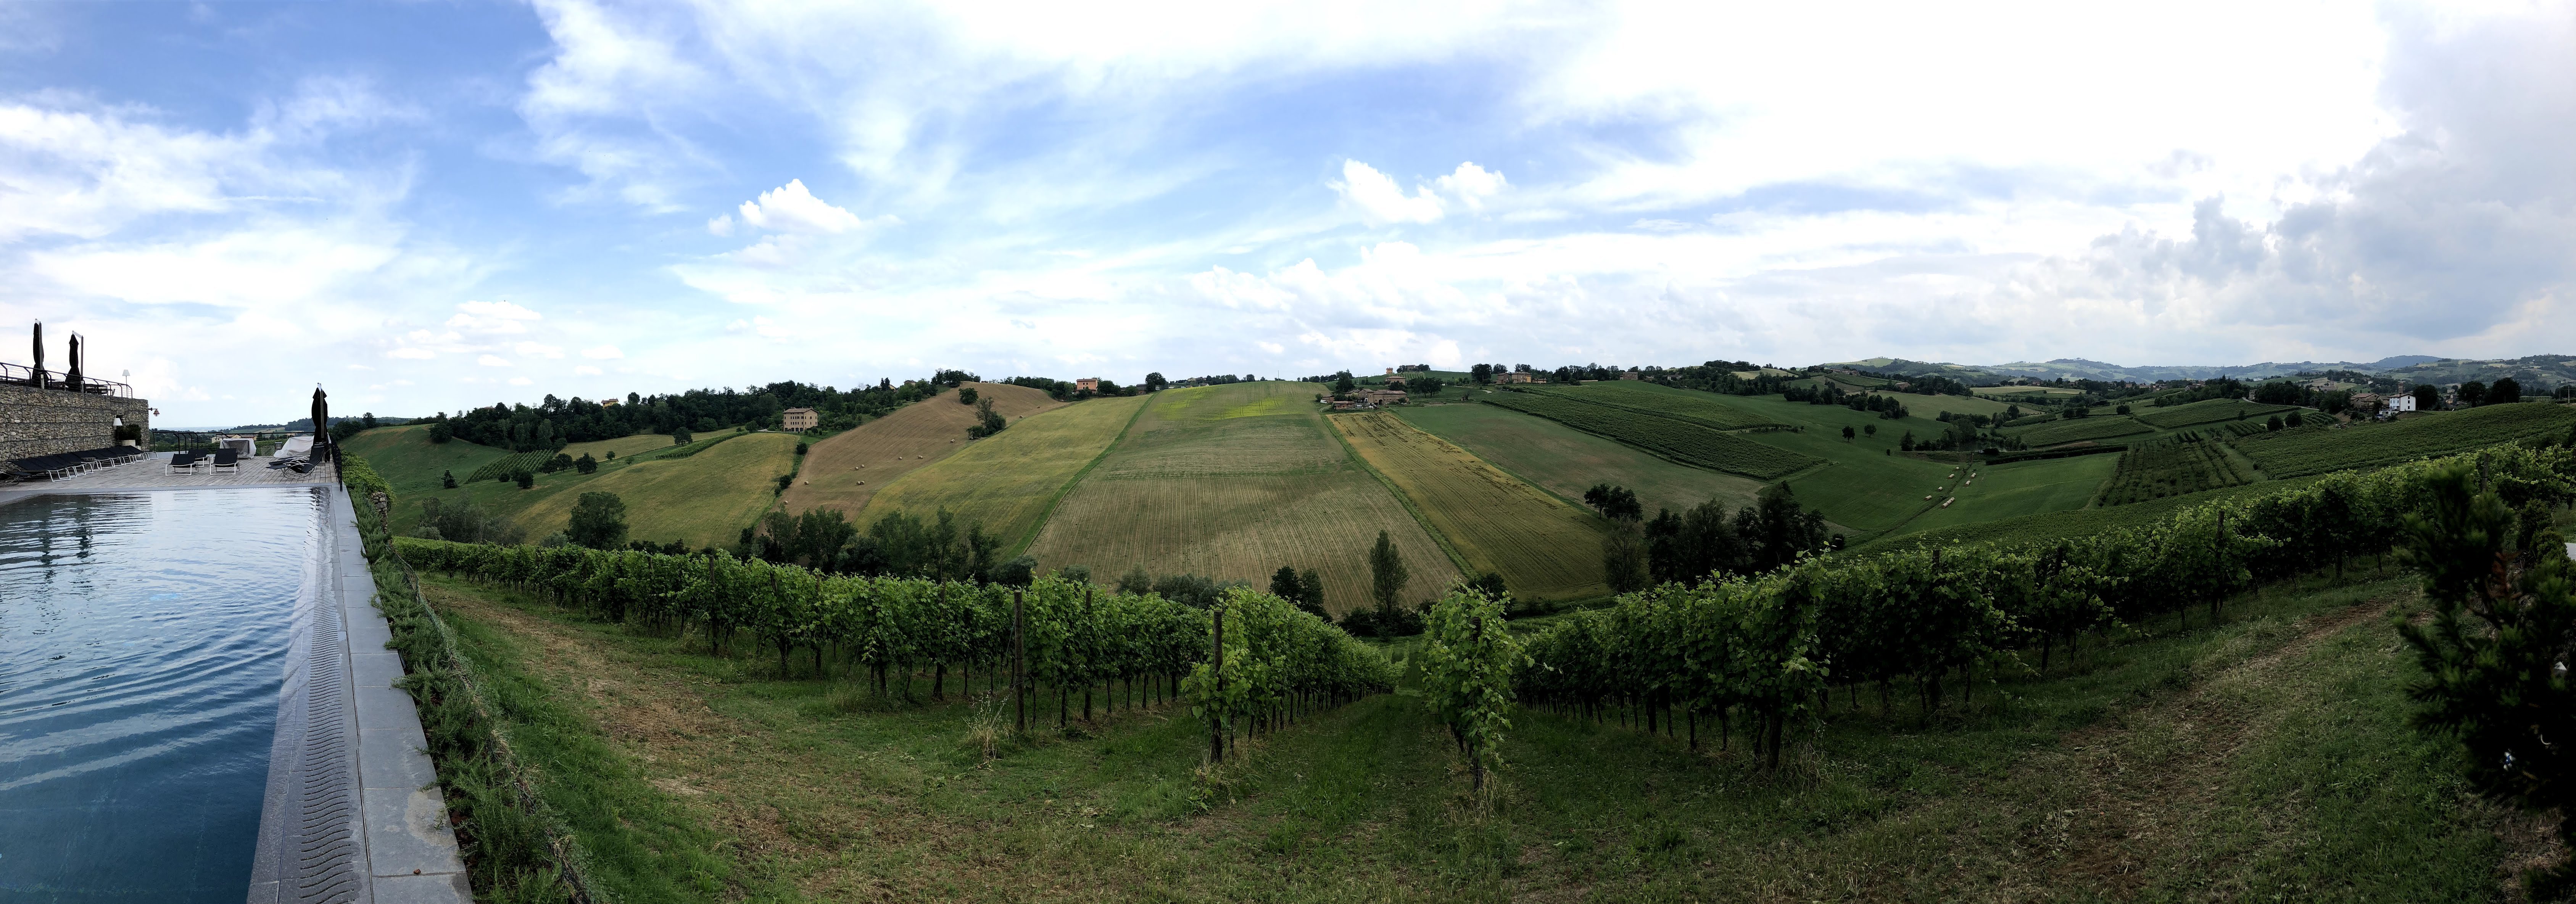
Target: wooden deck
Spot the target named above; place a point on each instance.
(154, 474)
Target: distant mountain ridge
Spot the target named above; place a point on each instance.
(2541, 372)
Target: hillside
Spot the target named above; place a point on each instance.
(1546, 548)
(846, 470)
(2318, 449)
(1010, 481)
(702, 499)
(1566, 461)
(409, 461)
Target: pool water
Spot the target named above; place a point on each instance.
(143, 642)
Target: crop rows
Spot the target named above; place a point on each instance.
(2190, 463)
(2208, 411)
(508, 466)
(2099, 427)
(1768, 648)
(1062, 634)
(1697, 408)
(1682, 441)
(2297, 453)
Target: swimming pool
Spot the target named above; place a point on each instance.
(143, 642)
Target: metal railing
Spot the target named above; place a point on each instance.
(22, 375)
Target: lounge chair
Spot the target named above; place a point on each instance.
(227, 462)
(183, 461)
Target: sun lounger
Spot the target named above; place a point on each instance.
(227, 462)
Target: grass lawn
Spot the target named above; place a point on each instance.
(2104, 427)
(1685, 404)
(1566, 461)
(1547, 550)
(2017, 489)
(412, 464)
(1233, 482)
(1010, 480)
(2267, 757)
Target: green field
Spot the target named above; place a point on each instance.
(2049, 526)
(1545, 548)
(411, 463)
(2017, 489)
(2097, 427)
(1928, 407)
(1233, 482)
(2175, 466)
(703, 500)
(2315, 450)
(1867, 488)
(1682, 441)
(624, 446)
(1678, 404)
(2206, 411)
(1566, 461)
(1008, 481)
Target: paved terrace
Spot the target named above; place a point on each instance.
(353, 811)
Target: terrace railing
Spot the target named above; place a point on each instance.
(22, 375)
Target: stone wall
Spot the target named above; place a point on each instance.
(37, 422)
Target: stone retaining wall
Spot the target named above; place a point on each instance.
(37, 422)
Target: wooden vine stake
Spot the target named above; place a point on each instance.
(1216, 726)
(1019, 660)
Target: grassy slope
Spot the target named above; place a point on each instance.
(2264, 758)
(1685, 404)
(2205, 411)
(1695, 441)
(409, 461)
(2018, 489)
(1006, 481)
(703, 500)
(2097, 427)
(1567, 461)
(1545, 548)
(623, 446)
(2316, 451)
(848, 469)
(1233, 482)
(2048, 526)
(1863, 489)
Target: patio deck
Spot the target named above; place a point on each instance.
(154, 474)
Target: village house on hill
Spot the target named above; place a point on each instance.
(799, 419)
(1087, 384)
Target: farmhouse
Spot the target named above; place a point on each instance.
(800, 419)
(1394, 380)
(1375, 397)
(1628, 375)
(1087, 384)
(2401, 403)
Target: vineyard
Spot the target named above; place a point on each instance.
(2174, 466)
(2208, 411)
(1066, 637)
(508, 466)
(1544, 547)
(2300, 453)
(2080, 429)
(1682, 441)
(1679, 404)
(1766, 650)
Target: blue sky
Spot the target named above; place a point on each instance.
(426, 206)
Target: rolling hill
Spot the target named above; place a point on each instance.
(846, 470)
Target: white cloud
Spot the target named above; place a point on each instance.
(1471, 185)
(492, 361)
(602, 352)
(540, 350)
(791, 208)
(522, 381)
(721, 225)
(492, 317)
(1380, 201)
(586, 370)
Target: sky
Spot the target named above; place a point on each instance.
(428, 206)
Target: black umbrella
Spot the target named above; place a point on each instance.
(321, 425)
(72, 379)
(39, 378)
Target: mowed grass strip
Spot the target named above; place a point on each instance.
(848, 469)
(1006, 480)
(2175, 466)
(2311, 451)
(1216, 480)
(411, 463)
(1682, 441)
(702, 500)
(2205, 411)
(1679, 404)
(1567, 461)
(1543, 547)
(2016, 490)
(2097, 427)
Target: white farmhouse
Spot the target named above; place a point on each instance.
(2401, 402)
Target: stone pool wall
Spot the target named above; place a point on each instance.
(37, 422)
